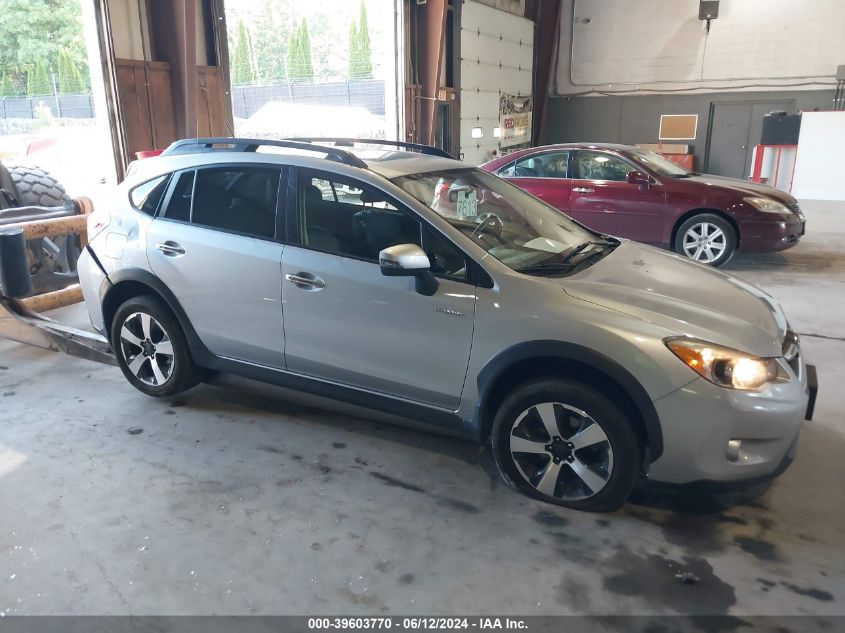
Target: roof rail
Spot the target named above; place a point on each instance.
(429, 150)
(226, 144)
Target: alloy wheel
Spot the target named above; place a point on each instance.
(147, 349)
(561, 451)
(705, 242)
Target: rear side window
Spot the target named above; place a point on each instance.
(179, 205)
(238, 199)
(147, 196)
(547, 165)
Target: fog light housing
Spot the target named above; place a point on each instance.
(733, 450)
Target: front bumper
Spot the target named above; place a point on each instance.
(770, 234)
(700, 421)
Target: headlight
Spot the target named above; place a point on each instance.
(767, 205)
(724, 366)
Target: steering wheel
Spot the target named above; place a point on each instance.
(493, 221)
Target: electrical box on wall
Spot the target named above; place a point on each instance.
(708, 9)
(780, 128)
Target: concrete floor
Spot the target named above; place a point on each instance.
(234, 501)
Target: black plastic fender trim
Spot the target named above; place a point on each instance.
(572, 352)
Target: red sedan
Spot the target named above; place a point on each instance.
(630, 192)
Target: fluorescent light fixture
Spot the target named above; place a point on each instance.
(497, 132)
(477, 132)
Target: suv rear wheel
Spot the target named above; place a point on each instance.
(151, 349)
(565, 443)
(706, 238)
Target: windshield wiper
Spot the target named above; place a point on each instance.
(565, 264)
(582, 247)
(545, 268)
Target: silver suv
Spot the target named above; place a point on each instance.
(404, 281)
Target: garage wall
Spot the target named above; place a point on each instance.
(517, 7)
(621, 65)
(614, 45)
(635, 119)
(497, 55)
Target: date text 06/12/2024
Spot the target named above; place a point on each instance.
(416, 623)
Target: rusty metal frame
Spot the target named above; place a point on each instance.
(21, 324)
(21, 319)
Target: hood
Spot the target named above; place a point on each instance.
(683, 297)
(744, 187)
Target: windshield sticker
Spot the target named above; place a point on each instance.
(467, 203)
(545, 244)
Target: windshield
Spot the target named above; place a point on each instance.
(656, 163)
(514, 227)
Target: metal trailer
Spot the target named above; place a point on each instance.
(20, 318)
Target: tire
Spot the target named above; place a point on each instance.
(36, 187)
(610, 458)
(138, 359)
(719, 234)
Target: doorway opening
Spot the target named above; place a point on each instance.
(305, 68)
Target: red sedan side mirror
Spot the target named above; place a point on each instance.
(637, 178)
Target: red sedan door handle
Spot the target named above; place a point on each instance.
(582, 190)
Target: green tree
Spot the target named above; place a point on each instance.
(305, 54)
(244, 70)
(38, 80)
(35, 32)
(354, 56)
(364, 51)
(69, 77)
(300, 65)
(293, 56)
(360, 53)
(6, 87)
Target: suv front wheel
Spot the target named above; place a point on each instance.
(151, 349)
(566, 443)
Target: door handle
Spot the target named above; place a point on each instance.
(171, 249)
(306, 281)
(582, 190)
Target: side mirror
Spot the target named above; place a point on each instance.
(408, 260)
(637, 178)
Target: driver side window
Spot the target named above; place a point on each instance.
(351, 219)
(601, 166)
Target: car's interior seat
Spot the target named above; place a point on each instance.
(244, 203)
(536, 165)
(315, 212)
(525, 172)
(378, 228)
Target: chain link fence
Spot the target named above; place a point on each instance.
(366, 93)
(79, 106)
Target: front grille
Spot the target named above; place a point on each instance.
(793, 206)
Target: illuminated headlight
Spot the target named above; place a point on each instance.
(767, 205)
(724, 366)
